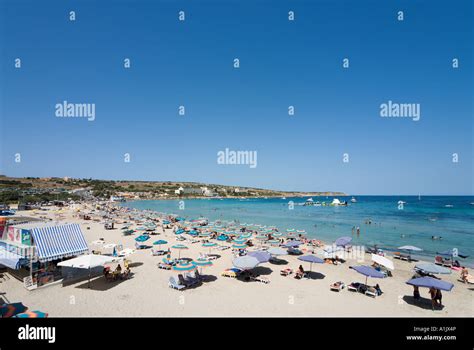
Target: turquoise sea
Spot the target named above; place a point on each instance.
(449, 217)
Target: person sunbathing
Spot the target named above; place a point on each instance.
(300, 272)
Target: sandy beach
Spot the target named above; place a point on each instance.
(147, 292)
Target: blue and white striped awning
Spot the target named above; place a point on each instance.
(10, 259)
(56, 242)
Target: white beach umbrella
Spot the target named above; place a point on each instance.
(381, 260)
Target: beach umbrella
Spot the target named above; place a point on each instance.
(312, 259)
(32, 314)
(343, 241)
(277, 251)
(290, 230)
(209, 245)
(430, 282)
(261, 255)
(273, 241)
(89, 262)
(381, 260)
(10, 310)
(432, 268)
(159, 242)
(239, 246)
(179, 247)
(367, 271)
(202, 263)
(245, 262)
(453, 253)
(291, 244)
(239, 240)
(180, 231)
(277, 234)
(205, 234)
(142, 238)
(410, 249)
(184, 266)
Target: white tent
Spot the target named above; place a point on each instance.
(88, 261)
(381, 260)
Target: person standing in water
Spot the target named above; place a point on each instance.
(358, 231)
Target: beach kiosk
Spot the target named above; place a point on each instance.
(32, 251)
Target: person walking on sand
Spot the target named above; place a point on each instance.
(464, 274)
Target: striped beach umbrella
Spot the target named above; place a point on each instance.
(209, 245)
(239, 246)
(202, 263)
(274, 241)
(32, 314)
(179, 247)
(205, 234)
(246, 235)
(184, 266)
(277, 234)
(239, 240)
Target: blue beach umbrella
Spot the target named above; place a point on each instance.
(159, 243)
(180, 231)
(430, 282)
(343, 241)
(432, 268)
(453, 253)
(367, 271)
(142, 238)
(277, 251)
(261, 256)
(312, 259)
(291, 244)
(245, 262)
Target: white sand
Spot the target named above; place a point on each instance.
(148, 294)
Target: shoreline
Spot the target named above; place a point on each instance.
(147, 292)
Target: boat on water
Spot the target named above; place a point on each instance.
(353, 200)
(309, 202)
(337, 203)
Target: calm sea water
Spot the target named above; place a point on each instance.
(415, 224)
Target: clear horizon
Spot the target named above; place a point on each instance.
(283, 63)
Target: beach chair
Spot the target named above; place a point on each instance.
(286, 272)
(188, 282)
(261, 279)
(158, 252)
(371, 292)
(191, 277)
(337, 286)
(354, 287)
(164, 266)
(173, 284)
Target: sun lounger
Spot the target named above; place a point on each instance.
(173, 284)
(164, 266)
(337, 286)
(354, 286)
(158, 252)
(371, 292)
(261, 279)
(439, 260)
(286, 272)
(400, 256)
(188, 282)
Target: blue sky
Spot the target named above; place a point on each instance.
(282, 63)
